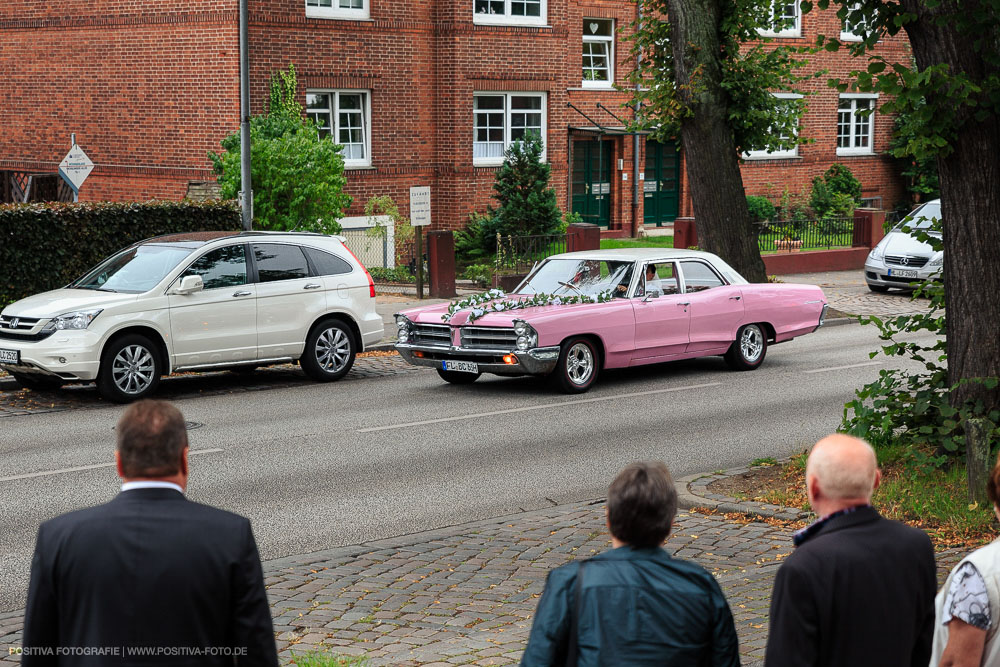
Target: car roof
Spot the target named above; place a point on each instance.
(636, 254)
(198, 239)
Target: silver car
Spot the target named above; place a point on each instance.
(899, 259)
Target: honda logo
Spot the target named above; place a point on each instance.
(14, 323)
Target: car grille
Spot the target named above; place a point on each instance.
(23, 323)
(906, 260)
(438, 335)
(488, 338)
(41, 335)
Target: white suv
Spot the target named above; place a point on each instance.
(200, 301)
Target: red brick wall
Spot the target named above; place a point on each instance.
(150, 87)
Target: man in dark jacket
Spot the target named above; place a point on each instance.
(859, 589)
(634, 605)
(150, 577)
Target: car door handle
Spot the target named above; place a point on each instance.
(312, 286)
(683, 303)
(735, 298)
(242, 293)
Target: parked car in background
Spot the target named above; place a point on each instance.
(900, 259)
(579, 313)
(189, 302)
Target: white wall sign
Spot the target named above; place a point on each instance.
(75, 167)
(420, 206)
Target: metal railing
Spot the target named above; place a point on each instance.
(517, 254)
(794, 235)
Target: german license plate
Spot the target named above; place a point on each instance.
(902, 273)
(10, 356)
(460, 366)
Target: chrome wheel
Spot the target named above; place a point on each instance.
(752, 343)
(333, 350)
(133, 369)
(579, 364)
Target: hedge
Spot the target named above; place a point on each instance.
(47, 245)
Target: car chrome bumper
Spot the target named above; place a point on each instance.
(877, 273)
(537, 361)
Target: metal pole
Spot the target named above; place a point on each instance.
(635, 144)
(420, 263)
(72, 143)
(246, 194)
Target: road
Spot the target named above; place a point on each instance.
(319, 466)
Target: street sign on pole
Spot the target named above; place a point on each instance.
(75, 168)
(420, 206)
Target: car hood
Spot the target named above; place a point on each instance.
(59, 301)
(901, 243)
(433, 314)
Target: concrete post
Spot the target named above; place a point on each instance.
(685, 233)
(441, 262)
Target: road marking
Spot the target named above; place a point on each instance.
(90, 467)
(840, 368)
(544, 406)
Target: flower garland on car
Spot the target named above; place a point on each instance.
(491, 302)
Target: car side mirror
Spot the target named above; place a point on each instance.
(650, 295)
(189, 285)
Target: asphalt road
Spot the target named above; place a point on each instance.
(319, 466)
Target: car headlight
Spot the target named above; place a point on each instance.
(876, 252)
(403, 325)
(527, 338)
(78, 319)
(937, 259)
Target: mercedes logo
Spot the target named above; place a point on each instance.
(904, 260)
(14, 323)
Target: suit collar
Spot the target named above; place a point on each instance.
(149, 494)
(848, 518)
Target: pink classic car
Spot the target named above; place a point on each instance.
(578, 313)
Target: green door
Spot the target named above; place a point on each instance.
(661, 187)
(592, 181)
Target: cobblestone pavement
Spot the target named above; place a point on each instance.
(466, 594)
(847, 292)
(17, 402)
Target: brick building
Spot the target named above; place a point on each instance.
(419, 93)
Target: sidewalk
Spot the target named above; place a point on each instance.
(466, 594)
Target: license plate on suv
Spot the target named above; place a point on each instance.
(903, 273)
(460, 366)
(10, 356)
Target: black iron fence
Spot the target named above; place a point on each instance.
(517, 254)
(794, 235)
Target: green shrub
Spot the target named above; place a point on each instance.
(399, 274)
(761, 208)
(481, 274)
(842, 181)
(477, 241)
(47, 245)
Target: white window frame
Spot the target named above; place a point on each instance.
(846, 32)
(779, 154)
(851, 150)
(506, 18)
(335, 94)
(793, 31)
(496, 161)
(601, 39)
(338, 12)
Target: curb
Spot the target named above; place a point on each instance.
(839, 321)
(693, 492)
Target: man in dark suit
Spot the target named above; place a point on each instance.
(150, 577)
(859, 589)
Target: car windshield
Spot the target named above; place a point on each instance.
(574, 277)
(134, 270)
(923, 217)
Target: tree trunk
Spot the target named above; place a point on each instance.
(716, 184)
(970, 209)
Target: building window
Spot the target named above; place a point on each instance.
(784, 20)
(500, 119)
(507, 12)
(791, 147)
(344, 116)
(856, 125)
(853, 30)
(337, 9)
(598, 53)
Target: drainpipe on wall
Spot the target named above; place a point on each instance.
(635, 144)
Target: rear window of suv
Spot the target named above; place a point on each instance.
(327, 264)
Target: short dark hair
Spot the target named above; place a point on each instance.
(993, 483)
(151, 437)
(642, 503)
(651, 267)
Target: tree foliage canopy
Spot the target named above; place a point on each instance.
(297, 174)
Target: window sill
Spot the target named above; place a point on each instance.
(593, 86)
(338, 16)
(781, 35)
(503, 21)
(359, 167)
(850, 37)
(850, 153)
(772, 156)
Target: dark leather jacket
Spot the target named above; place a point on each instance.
(638, 607)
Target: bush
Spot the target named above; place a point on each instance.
(527, 204)
(399, 274)
(761, 208)
(45, 246)
(842, 181)
(481, 274)
(477, 241)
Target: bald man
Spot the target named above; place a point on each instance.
(859, 589)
